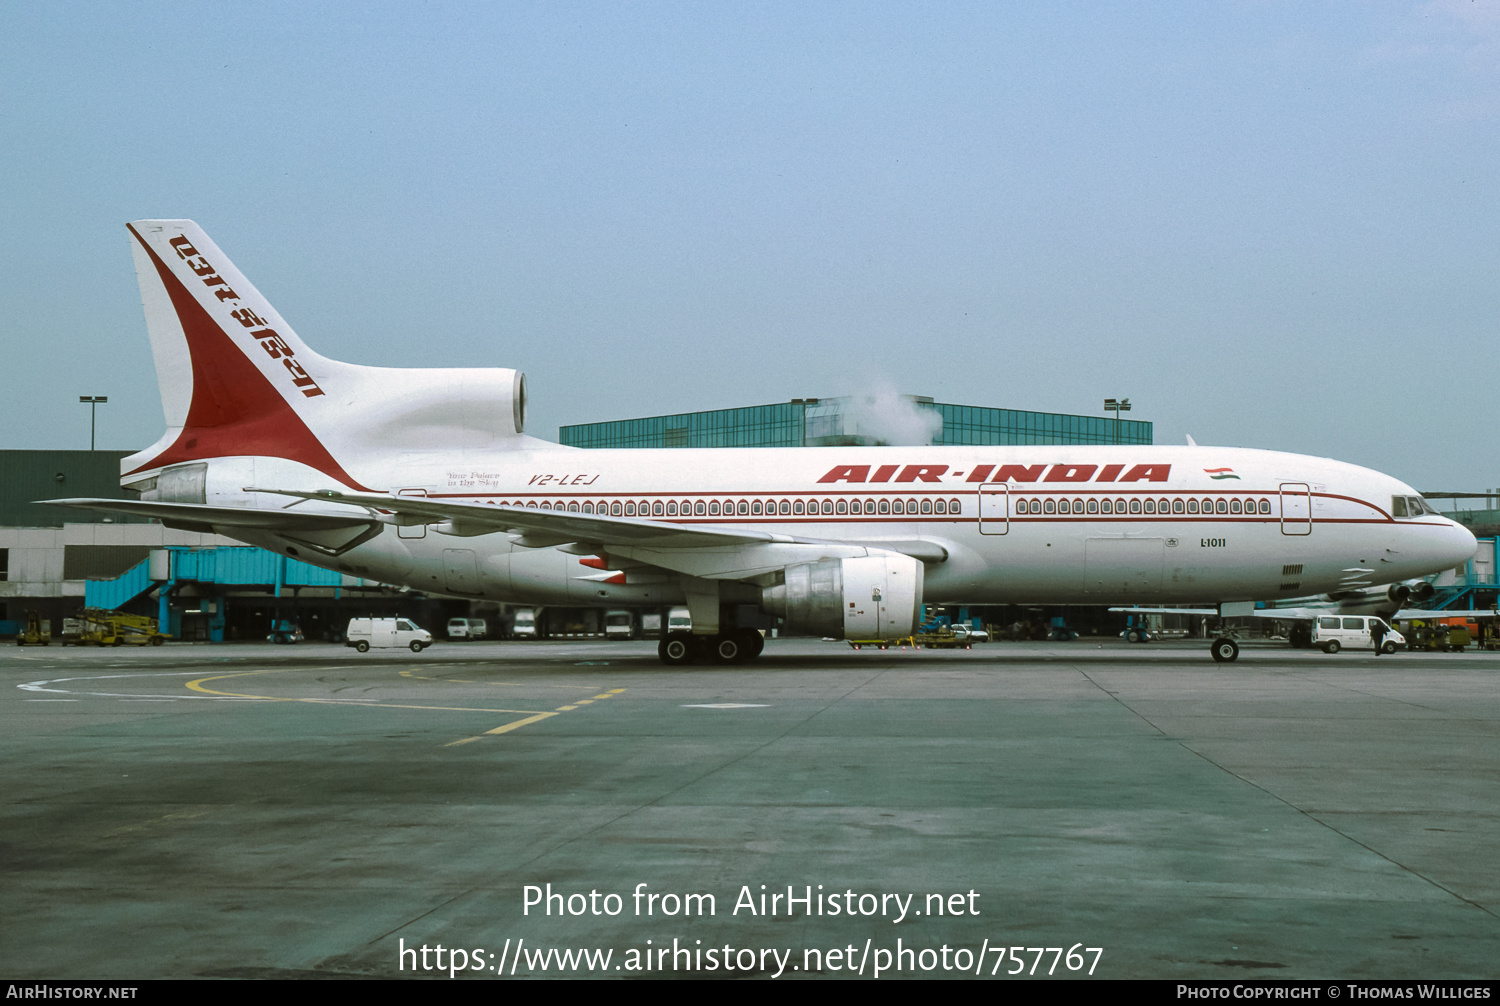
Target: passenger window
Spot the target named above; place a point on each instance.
(572, 508)
(797, 506)
(588, 508)
(755, 507)
(1048, 506)
(713, 508)
(629, 509)
(671, 508)
(1220, 506)
(927, 506)
(897, 506)
(699, 508)
(1177, 505)
(954, 508)
(940, 506)
(911, 507)
(1093, 505)
(546, 505)
(1106, 506)
(742, 507)
(1265, 506)
(1135, 505)
(885, 506)
(842, 506)
(615, 509)
(1151, 506)
(1192, 506)
(1234, 506)
(784, 506)
(1119, 506)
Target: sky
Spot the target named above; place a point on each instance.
(1267, 224)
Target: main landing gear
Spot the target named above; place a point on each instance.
(733, 646)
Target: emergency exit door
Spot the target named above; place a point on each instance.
(994, 508)
(1296, 508)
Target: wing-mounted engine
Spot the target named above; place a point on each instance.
(877, 596)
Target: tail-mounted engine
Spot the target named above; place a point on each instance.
(870, 597)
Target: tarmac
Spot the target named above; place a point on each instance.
(1064, 810)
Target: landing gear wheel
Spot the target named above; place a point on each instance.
(729, 649)
(362, 646)
(416, 646)
(1388, 648)
(751, 643)
(677, 649)
(1225, 650)
(1332, 646)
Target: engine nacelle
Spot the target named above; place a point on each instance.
(1422, 591)
(876, 596)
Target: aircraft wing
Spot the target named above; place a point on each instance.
(1138, 610)
(540, 528)
(200, 517)
(1473, 614)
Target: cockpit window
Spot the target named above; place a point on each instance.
(1410, 506)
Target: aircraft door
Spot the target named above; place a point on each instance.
(411, 530)
(1296, 508)
(994, 508)
(459, 571)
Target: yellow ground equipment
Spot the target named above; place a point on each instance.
(36, 633)
(99, 627)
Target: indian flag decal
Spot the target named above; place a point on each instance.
(1220, 473)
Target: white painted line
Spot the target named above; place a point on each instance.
(726, 705)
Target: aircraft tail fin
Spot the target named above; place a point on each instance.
(236, 380)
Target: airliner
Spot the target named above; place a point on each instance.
(426, 478)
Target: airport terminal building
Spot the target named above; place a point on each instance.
(853, 421)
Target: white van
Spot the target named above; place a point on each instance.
(524, 625)
(367, 632)
(679, 620)
(458, 628)
(619, 625)
(1332, 633)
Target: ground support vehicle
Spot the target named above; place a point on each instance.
(100, 627)
(1432, 634)
(1332, 633)
(284, 631)
(36, 633)
(941, 639)
(365, 633)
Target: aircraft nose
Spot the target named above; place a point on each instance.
(1455, 546)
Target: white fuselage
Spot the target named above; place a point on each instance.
(1063, 525)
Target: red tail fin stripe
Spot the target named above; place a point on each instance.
(234, 409)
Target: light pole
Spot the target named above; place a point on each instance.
(94, 401)
(1117, 407)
